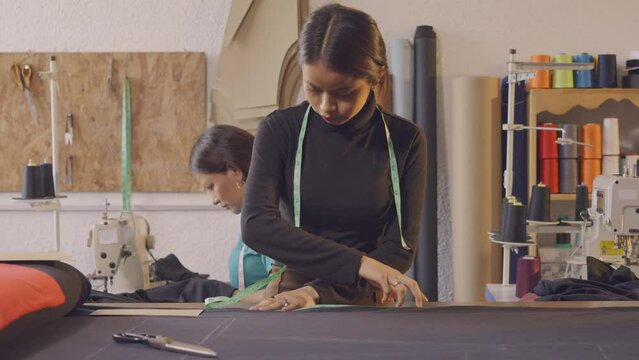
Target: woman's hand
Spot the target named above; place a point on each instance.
(289, 300)
(394, 285)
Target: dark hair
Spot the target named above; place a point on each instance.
(346, 39)
(221, 147)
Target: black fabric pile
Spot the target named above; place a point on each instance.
(183, 285)
(604, 283)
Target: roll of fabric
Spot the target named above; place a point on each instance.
(36, 293)
(520, 143)
(542, 77)
(607, 71)
(425, 45)
(401, 69)
(584, 78)
(562, 79)
(475, 200)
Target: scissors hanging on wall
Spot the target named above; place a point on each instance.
(22, 77)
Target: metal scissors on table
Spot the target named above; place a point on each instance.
(164, 343)
(22, 77)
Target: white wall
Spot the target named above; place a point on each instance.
(474, 37)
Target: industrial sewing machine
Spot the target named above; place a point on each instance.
(614, 212)
(121, 257)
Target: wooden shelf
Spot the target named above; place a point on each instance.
(564, 197)
(561, 101)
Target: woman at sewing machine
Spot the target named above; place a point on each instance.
(220, 159)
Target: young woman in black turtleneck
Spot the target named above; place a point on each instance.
(347, 248)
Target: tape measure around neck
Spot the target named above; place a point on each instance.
(394, 172)
(126, 146)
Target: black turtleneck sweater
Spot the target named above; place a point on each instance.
(347, 207)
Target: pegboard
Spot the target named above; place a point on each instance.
(168, 92)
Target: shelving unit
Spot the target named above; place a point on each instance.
(560, 101)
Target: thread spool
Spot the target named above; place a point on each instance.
(581, 202)
(32, 181)
(549, 174)
(607, 71)
(542, 79)
(630, 161)
(591, 135)
(610, 147)
(539, 205)
(547, 142)
(562, 79)
(590, 169)
(584, 78)
(631, 81)
(515, 229)
(46, 171)
(505, 203)
(568, 175)
(528, 274)
(569, 151)
(548, 158)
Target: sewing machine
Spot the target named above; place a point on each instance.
(121, 257)
(614, 212)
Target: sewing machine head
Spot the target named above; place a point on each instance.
(615, 205)
(120, 248)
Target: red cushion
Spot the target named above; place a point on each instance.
(24, 290)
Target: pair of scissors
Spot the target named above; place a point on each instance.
(22, 77)
(164, 343)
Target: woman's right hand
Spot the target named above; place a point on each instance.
(393, 284)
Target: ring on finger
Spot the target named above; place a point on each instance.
(397, 282)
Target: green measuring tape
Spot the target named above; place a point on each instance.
(223, 301)
(297, 174)
(126, 146)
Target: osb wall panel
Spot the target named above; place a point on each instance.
(168, 113)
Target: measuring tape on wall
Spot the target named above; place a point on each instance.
(126, 146)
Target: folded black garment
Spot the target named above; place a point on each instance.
(585, 290)
(189, 290)
(65, 287)
(171, 269)
(605, 273)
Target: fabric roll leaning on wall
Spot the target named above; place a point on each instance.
(476, 181)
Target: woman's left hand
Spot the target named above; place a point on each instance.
(289, 300)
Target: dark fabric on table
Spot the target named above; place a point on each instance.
(473, 333)
(604, 283)
(189, 290)
(170, 268)
(74, 285)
